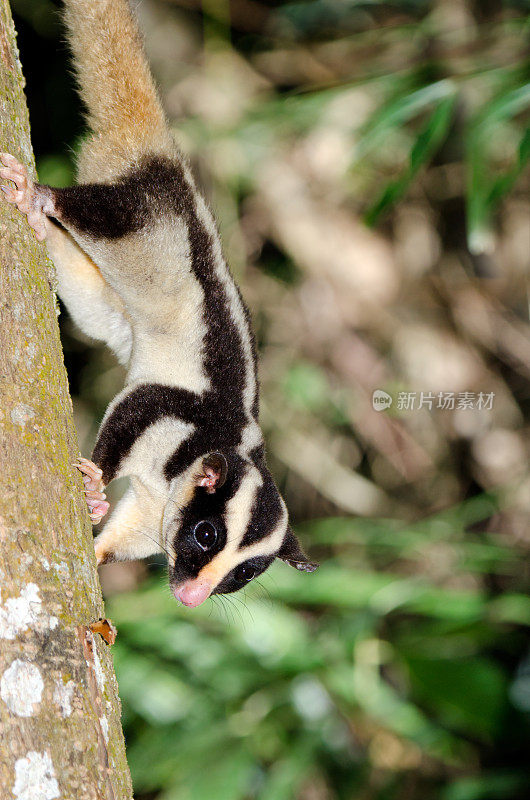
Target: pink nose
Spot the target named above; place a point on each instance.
(193, 592)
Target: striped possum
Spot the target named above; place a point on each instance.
(140, 267)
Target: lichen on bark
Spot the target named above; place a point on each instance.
(60, 733)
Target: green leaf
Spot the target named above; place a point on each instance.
(362, 685)
(426, 144)
(380, 592)
(512, 608)
(467, 695)
(506, 182)
(403, 108)
(490, 786)
(225, 776)
(483, 192)
(505, 105)
(285, 777)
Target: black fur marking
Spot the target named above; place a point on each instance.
(160, 187)
(224, 356)
(255, 405)
(141, 408)
(104, 210)
(191, 559)
(149, 403)
(267, 509)
(204, 506)
(231, 584)
(113, 210)
(292, 554)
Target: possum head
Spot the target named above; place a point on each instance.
(225, 524)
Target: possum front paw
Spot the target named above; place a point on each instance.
(33, 201)
(95, 499)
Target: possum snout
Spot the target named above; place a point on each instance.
(193, 592)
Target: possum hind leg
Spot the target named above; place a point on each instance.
(92, 303)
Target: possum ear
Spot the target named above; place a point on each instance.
(214, 471)
(292, 554)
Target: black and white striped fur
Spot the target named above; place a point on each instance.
(140, 266)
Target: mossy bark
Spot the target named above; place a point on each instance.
(60, 730)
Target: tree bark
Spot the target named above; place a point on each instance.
(60, 734)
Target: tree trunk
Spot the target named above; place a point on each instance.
(60, 733)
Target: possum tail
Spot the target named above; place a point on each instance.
(124, 110)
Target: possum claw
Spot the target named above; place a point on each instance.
(29, 200)
(92, 472)
(95, 498)
(97, 510)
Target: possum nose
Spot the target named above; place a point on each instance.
(194, 592)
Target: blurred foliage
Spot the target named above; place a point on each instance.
(401, 668)
(369, 679)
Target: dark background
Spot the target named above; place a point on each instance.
(367, 163)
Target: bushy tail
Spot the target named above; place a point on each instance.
(114, 78)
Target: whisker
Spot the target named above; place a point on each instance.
(161, 546)
(157, 491)
(143, 533)
(236, 598)
(228, 606)
(221, 599)
(244, 603)
(231, 601)
(131, 529)
(212, 605)
(267, 595)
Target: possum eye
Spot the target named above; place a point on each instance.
(205, 534)
(244, 572)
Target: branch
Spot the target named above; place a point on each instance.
(61, 734)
